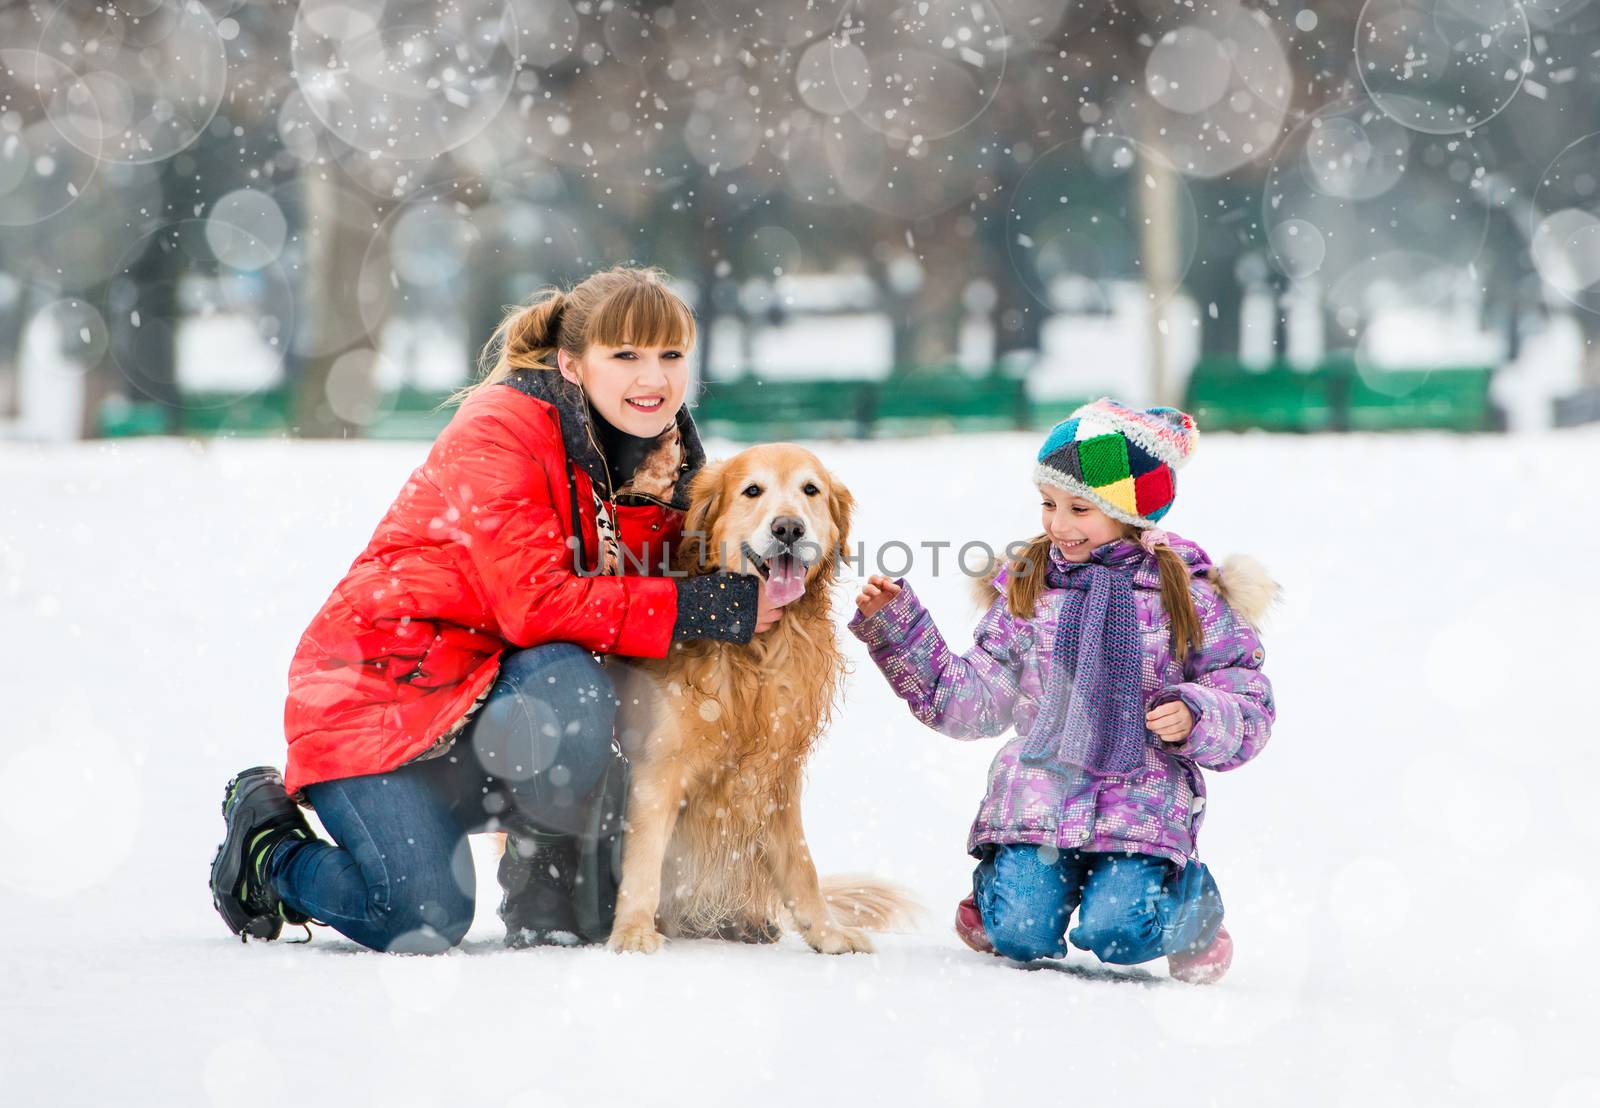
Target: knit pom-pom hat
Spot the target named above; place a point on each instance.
(1123, 459)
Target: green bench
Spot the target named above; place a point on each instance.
(748, 408)
(411, 415)
(1225, 395)
(935, 399)
(208, 413)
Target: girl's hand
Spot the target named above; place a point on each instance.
(1171, 722)
(876, 593)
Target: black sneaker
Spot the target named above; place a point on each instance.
(259, 816)
(537, 873)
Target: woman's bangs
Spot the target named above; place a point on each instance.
(643, 315)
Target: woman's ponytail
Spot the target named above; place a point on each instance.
(525, 339)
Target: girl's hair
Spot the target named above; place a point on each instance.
(624, 304)
(1027, 581)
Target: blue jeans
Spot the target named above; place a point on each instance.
(1131, 907)
(400, 877)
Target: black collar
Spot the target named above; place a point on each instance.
(582, 439)
(622, 452)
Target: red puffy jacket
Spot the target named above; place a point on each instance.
(474, 556)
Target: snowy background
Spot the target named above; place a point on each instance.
(1406, 867)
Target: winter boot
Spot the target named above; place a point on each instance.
(562, 889)
(1203, 967)
(599, 873)
(537, 873)
(260, 817)
(969, 926)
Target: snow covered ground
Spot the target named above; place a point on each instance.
(1406, 867)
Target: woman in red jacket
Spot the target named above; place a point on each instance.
(451, 683)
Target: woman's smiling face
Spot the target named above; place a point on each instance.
(637, 389)
(1074, 524)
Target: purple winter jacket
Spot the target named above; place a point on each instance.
(1155, 809)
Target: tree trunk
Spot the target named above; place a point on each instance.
(337, 237)
(1156, 186)
(1590, 326)
(902, 327)
(705, 311)
(142, 315)
(1216, 281)
(489, 283)
(96, 388)
(946, 259)
(13, 322)
(1018, 315)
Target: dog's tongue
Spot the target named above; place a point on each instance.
(786, 580)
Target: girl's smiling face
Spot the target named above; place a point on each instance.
(637, 389)
(1075, 525)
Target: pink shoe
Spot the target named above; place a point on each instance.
(969, 926)
(1204, 967)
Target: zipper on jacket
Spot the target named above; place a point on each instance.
(611, 499)
(577, 522)
(605, 466)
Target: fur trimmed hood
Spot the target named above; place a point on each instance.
(678, 450)
(1245, 586)
(1241, 581)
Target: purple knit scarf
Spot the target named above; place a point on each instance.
(1091, 714)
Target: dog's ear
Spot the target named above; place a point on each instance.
(705, 505)
(841, 507)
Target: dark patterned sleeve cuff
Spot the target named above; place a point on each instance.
(720, 605)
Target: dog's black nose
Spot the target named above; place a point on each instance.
(788, 529)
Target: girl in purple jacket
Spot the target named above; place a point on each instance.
(1126, 661)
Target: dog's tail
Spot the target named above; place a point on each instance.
(860, 900)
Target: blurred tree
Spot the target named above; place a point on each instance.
(518, 142)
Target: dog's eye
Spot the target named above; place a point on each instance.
(810, 488)
(752, 490)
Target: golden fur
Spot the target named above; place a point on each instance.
(717, 735)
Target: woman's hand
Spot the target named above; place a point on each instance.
(767, 613)
(1171, 722)
(876, 593)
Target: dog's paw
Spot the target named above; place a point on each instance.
(839, 940)
(634, 936)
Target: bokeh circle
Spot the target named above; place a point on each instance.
(1075, 222)
(778, 24)
(234, 323)
(404, 80)
(246, 229)
(42, 172)
(1217, 92)
(1565, 236)
(78, 332)
(920, 72)
(1370, 188)
(154, 74)
(1442, 66)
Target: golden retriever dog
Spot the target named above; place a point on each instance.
(717, 734)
